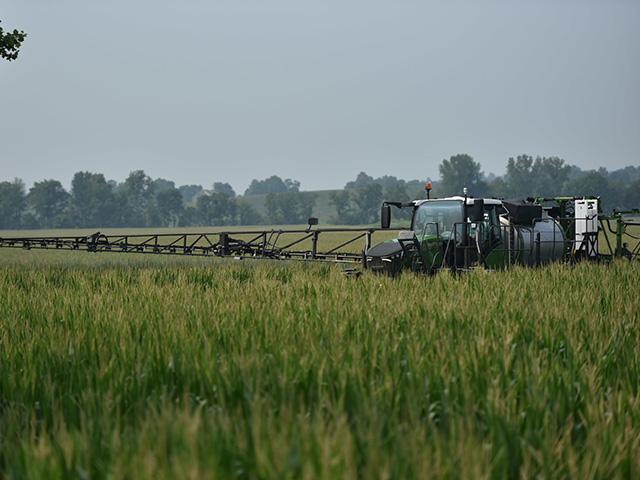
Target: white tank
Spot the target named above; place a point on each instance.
(546, 235)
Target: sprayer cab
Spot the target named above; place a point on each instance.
(441, 230)
(462, 232)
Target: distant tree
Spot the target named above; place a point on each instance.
(389, 182)
(590, 184)
(615, 196)
(188, 192)
(137, 195)
(290, 208)
(544, 176)
(499, 188)
(29, 221)
(160, 185)
(12, 204)
(247, 215)
(593, 183)
(395, 189)
(273, 184)
(345, 214)
(224, 188)
(93, 202)
(169, 207)
(362, 180)
(627, 175)
(550, 174)
(574, 172)
(189, 217)
(358, 205)
(367, 201)
(10, 43)
(461, 171)
(361, 199)
(632, 195)
(519, 177)
(48, 199)
(216, 209)
(292, 185)
(306, 202)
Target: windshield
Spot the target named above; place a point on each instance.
(437, 218)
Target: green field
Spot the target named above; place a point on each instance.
(132, 366)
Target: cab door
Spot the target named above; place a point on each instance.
(493, 252)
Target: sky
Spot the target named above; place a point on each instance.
(198, 91)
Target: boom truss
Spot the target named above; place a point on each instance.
(326, 244)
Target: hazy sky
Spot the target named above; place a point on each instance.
(199, 91)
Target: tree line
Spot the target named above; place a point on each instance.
(525, 176)
(140, 201)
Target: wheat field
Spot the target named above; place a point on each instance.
(131, 366)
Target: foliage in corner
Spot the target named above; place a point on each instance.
(10, 43)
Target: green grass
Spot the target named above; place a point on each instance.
(130, 366)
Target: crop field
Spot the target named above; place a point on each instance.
(142, 366)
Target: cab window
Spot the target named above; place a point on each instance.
(437, 218)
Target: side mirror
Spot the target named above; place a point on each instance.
(477, 212)
(385, 216)
(312, 221)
